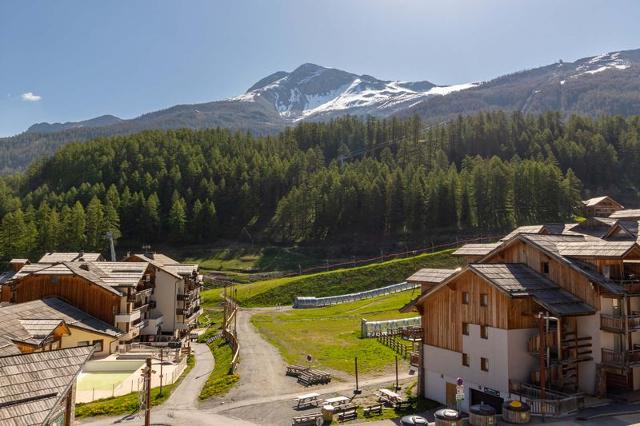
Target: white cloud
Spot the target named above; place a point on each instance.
(30, 97)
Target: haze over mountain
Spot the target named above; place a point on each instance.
(603, 84)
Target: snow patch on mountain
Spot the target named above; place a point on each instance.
(600, 63)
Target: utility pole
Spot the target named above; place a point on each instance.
(147, 390)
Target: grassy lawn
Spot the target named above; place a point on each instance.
(332, 334)
(221, 380)
(129, 403)
(282, 291)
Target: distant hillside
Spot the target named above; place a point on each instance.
(603, 84)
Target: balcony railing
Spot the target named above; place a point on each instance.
(621, 358)
(630, 285)
(616, 323)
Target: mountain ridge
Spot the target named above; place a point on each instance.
(603, 84)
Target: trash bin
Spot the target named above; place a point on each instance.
(482, 415)
(327, 412)
(448, 417)
(413, 420)
(516, 412)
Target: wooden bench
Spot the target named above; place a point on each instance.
(309, 419)
(346, 415)
(403, 405)
(313, 377)
(295, 370)
(373, 409)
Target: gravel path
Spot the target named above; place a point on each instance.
(261, 367)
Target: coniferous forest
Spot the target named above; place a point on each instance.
(344, 179)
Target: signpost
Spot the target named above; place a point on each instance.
(459, 392)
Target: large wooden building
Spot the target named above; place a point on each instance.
(571, 292)
(601, 206)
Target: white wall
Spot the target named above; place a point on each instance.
(590, 326)
(165, 296)
(521, 363)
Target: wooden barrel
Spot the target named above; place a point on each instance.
(516, 412)
(482, 415)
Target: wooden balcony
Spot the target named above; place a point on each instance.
(621, 358)
(630, 285)
(617, 324)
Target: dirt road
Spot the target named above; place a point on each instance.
(261, 367)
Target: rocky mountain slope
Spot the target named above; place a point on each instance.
(603, 84)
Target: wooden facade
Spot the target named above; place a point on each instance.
(75, 290)
(559, 272)
(444, 311)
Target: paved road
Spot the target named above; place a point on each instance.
(182, 406)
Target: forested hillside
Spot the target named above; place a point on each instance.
(331, 181)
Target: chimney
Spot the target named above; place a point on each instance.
(17, 264)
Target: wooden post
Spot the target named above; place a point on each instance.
(161, 362)
(147, 408)
(397, 387)
(357, 391)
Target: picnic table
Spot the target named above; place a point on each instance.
(337, 401)
(307, 400)
(391, 397)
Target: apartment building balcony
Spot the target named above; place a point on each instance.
(619, 323)
(128, 317)
(623, 359)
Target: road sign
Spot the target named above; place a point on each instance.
(459, 397)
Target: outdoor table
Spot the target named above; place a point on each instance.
(307, 399)
(338, 400)
(390, 396)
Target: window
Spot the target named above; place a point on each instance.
(484, 331)
(98, 344)
(83, 343)
(465, 328)
(484, 364)
(544, 267)
(484, 299)
(465, 298)
(465, 360)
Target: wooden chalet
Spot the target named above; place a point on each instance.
(601, 206)
(429, 277)
(548, 312)
(48, 324)
(39, 388)
(117, 293)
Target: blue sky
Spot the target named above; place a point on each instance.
(69, 60)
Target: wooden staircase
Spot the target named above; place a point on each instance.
(564, 356)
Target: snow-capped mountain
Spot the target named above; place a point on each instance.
(314, 92)
(604, 84)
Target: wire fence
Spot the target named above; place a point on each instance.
(318, 302)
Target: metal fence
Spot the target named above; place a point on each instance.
(389, 327)
(318, 302)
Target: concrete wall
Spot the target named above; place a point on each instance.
(590, 326)
(167, 287)
(521, 363)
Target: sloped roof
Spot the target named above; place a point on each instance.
(596, 200)
(600, 248)
(528, 229)
(626, 214)
(167, 264)
(549, 244)
(23, 317)
(58, 257)
(431, 275)
(476, 249)
(518, 280)
(32, 385)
